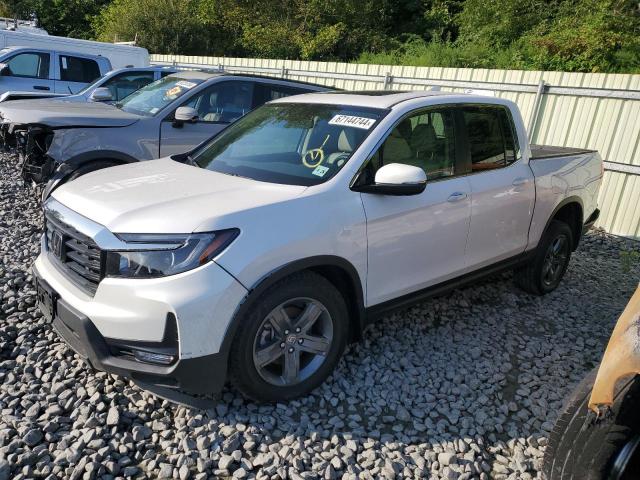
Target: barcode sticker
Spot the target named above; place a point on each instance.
(352, 121)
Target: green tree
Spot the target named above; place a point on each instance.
(67, 18)
(163, 26)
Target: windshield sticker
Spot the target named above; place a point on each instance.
(185, 84)
(320, 171)
(352, 121)
(173, 92)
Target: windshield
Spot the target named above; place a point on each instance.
(294, 144)
(152, 98)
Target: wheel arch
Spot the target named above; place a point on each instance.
(340, 272)
(570, 211)
(73, 163)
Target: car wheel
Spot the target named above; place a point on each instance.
(551, 259)
(584, 448)
(290, 340)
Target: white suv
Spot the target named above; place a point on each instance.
(258, 256)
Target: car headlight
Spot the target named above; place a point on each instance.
(170, 254)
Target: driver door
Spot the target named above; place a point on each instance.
(419, 240)
(28, 72)
(218, 105)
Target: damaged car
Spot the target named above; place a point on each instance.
(597, 435)
(58, 141)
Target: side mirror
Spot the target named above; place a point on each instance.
(5, 71)
(397, 179)
(185, 114)
(101, 94)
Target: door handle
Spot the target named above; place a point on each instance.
(520, 181)
(456, 197)
(41, 87)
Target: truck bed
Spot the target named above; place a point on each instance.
(540, 152)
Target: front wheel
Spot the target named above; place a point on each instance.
(290, 340)
(544, 273)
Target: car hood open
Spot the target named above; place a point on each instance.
(165, 196)
(63, 114)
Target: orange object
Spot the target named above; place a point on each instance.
(622, 356)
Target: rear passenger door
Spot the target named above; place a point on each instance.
(217, 105)
(27, 72)
(419, 240)
(75, 72)
(502, 186)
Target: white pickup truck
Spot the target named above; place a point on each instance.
(259, 255)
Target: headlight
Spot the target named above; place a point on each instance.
(170, 254)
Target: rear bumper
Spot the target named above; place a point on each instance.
(194, 375)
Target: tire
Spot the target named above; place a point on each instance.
(533, 277)
(583, 448)
(305, 291)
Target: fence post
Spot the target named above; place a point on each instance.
(283, 72)
(387, 81)
(536, 108)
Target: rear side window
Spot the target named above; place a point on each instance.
(264, 92)
(491, 137)
(29, 64)
(77, 69)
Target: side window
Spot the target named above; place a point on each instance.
(124, 84)
(491, 137)
(223, 102)
(31, 64)
(265, 92)
(76, 69)
(424, 140)
(512, 147)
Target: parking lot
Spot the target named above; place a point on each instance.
(462, 386)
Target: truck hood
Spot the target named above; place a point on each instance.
(164, 196)
(63, 114)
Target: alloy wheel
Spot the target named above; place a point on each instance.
(292, 341)
(555, 260)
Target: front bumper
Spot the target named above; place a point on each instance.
(125, 314)
(194, 376)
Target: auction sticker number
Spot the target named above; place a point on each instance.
(352, 121)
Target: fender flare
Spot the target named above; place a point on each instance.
(309, 263)
(560, 205)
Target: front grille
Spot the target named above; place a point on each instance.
(77, 255)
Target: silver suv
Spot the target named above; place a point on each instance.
(59, 141)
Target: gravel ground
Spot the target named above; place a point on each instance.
(463, 386)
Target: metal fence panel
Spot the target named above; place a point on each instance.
(586, 110)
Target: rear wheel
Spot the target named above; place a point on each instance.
(290, 340)
(544, 273)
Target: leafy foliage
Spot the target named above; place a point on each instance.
(573, 35)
